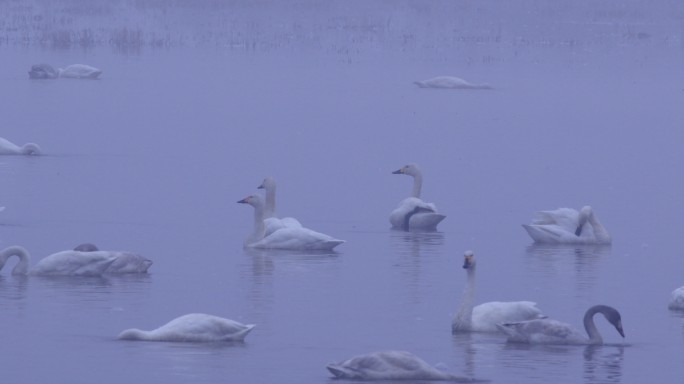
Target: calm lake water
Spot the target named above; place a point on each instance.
(153, 157)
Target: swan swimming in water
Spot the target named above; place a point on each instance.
(80, 71)
(193, 327)
(43, 71)
(547, 331)
(126, 262)
(413, 213)
(486, 316)
(677, 299)
(271, 221)
(449, 82)
(568, 226)
(391, 365)
(9, 148)
(294, 238)
(65, 263)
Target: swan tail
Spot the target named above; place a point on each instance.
(240, 336)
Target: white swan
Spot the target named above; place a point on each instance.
(449, 82)
(547, 331)
(126, 262)
(80, 71)
(568, 226)
(43, 71)
(9, 148)
(193, 327)
(677, 299)
(293, 238)
(271, 221)
(413, 213)
(390, 365)
(486, 316)
(65, 263)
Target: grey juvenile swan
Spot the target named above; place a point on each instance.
(547, 331)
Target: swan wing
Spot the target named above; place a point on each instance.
(297, 238)
(273, 224)
(74, 263)
(486, 316)
(414, 213)
(543, 331)
(80, 71)
(8, 148)
(127, 262)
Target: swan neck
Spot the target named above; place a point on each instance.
(270, 209)
(417, 184)
(599, 230)
(590, 327)
(463, 321)
(22, 266)
(259, 226)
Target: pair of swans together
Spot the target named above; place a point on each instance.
(9, 148)
(522, 321)
(560, 226)
(74, 71)
(271, 232)
(84, 260)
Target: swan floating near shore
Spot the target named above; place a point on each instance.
(547, 331)
(486, 316)
(193, 327)
(412, 212)
(568, 226)
(74, 71)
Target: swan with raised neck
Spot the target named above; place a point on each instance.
(269, 186)
(485, 317)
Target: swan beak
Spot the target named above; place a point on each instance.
(398, 172)
(260, 187)
(578, 231)
(619, 329)
(244, 201)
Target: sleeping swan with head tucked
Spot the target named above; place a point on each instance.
(65, 263)
(486, 316)
(293, 238)
(412, 212)
(568, 226)
(547, 331)
(9, 148)
(193, 327)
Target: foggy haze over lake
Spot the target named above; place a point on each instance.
(200, 100)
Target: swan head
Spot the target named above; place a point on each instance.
(253, 200)
(468, 260)
(268, 184)
(30, 149)
(409, 169)
(613, 316)
(86, 247)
